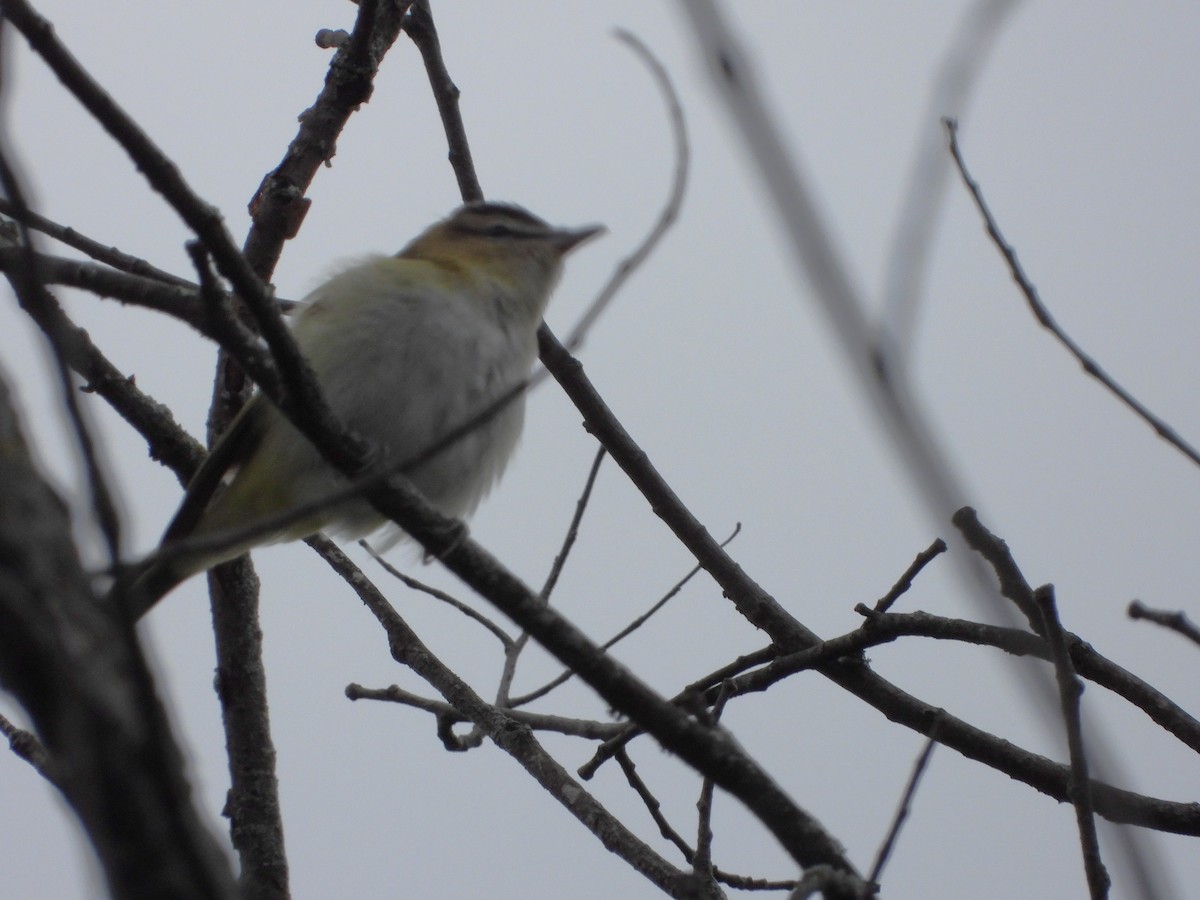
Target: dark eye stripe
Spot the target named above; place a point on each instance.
(498, 220)
(508, 210)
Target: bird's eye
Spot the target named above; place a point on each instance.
(498, 230)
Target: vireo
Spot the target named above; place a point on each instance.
(406, 348)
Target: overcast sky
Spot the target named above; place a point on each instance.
(1084, 134)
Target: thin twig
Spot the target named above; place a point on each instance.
(500, 634)
(1070, 689)
(1047, 321)
(905, 581)
(652, 805)
(702, 881)
(507, 733)
(419, 27)
(572, 534)
(110, 256)
(609, 748)
(670, 211)
(729, 670)
(589, 729)
(164, 176)
(1176, 621)
(702, 861)
(280, 204)
(667, 597)
(169, 444)
(902, 811)
(1135, 854)
(513, 652)
(637, 623)
(26, 746)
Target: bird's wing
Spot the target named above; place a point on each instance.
(235, 445)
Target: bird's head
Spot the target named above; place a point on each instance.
(503, 244)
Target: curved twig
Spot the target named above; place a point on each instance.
(1047, 321)
(670, 211)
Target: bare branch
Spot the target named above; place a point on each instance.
(280, 205)
(581, 505)
(511, 736)
(1079, 786)
(713, 680)
(670, 210)
(924, 558)
(1176, 621)
(421, 31)
(413, 584)
(702, 860)
(26, 745)
(653, 806)
(252, 805)
(581, 728)
(513, 653)
(1047, 321)
(633, 626)
(902, 811)
(110, 256)
(992, 548)
(204, 220)
(168, 442)
(1044, 775)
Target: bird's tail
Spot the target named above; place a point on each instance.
(140, 588)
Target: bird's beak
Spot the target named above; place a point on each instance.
(567, 239)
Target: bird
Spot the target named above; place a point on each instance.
(405, 349)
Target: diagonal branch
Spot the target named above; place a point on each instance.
(279, 205)
(1070, 690)
(509, 734)
(110, 256)
(1047, 321)
(902, 811)
(164, 177)
(423, 33)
